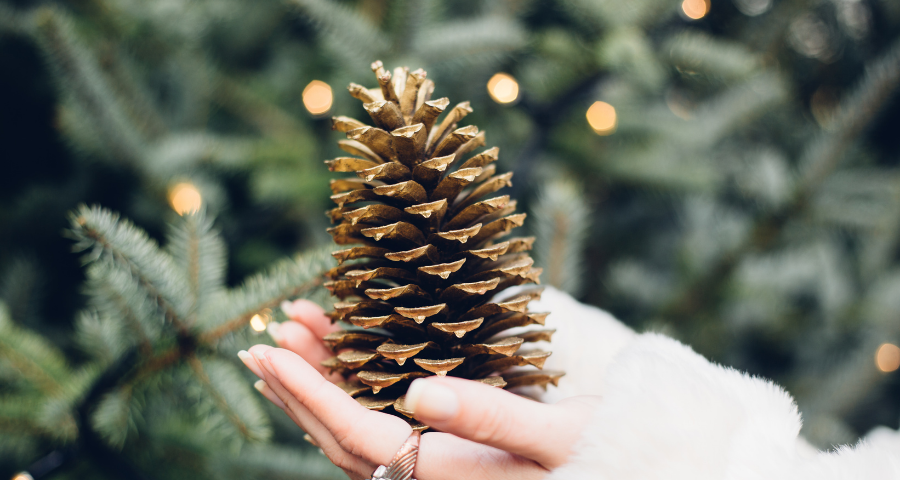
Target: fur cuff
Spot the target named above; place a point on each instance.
(667, 413)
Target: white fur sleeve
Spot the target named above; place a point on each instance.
(668, 413)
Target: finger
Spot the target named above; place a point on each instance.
(299, 339)
(310, 424)
(267, 392)
(495, 417)
(468, 460)
(353, 426)
(250, 363)
(447, 457)
(270, 395)
(308, 313)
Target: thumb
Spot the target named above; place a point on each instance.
(497, 418)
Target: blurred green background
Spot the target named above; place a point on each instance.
(736, 186)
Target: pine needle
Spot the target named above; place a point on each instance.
(561, 225)
(288, 279)
(104, 237)
(199, 253)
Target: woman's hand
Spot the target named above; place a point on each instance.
(488, 433)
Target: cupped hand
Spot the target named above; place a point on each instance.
(485, 432)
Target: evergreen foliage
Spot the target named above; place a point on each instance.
(562, 225)
(158, 340)
(746, 202)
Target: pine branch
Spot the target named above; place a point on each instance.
(824, 154)
(74, 65)
(561, 225)
(107, 238)
(236, 409)
(851, 379)
(182, 153)
(39, 362)
(609, 13)
(485, 39)
(267, 117)
(286, 280)
(695, 51)
(734, 108)
(140, 370)
(17, 416)
(630, 54)
(139, 107)
(113, 417)
(58, 412)
(821, 157)
(199, 252)
(104, 338)
(119, 298)
(340, 25)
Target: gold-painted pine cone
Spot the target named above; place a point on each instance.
(424, 252)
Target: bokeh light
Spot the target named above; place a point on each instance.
(503, 88)
(695, 9)
(887, 358)
(22, 476)
(317, 97)
(259, 321)
(601, 116)
(185, 198)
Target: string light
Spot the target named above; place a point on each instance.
(695, 9)
(259, 321)
(317, 97)
(503, 88)
(887, 357)
(23, 476)
(185, 198)
(601, 116)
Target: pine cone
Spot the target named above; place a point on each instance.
(431, 260)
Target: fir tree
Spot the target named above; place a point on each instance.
(743, 197)
(158, 392)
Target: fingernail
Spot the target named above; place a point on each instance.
(260, 386)
(260, 355)
(267, 392)
(264, 362)
(273, 328)
(250, 362)
(286, 307)
(429, 400)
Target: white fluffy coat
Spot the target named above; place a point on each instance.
(668, 413)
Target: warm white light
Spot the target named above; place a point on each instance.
(695, 9)
(601, 116)
(887, 358)
(185, 198)
(317, 97)
(503, 88)
(258, 323)
(23, 476)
